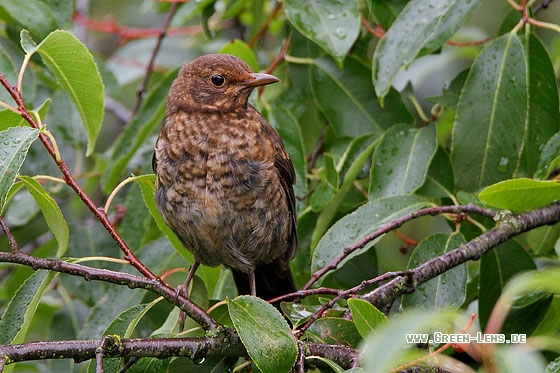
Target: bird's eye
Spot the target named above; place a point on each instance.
(217, 80)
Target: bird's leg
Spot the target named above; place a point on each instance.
(184, 291)
(252, 283)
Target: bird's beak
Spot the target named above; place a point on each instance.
(261, 79)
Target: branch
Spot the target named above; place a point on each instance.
(4, 228)
(161, 34)
(113, 277)
(227, 344)
(128, 33)
(506, 228)
(470, 208)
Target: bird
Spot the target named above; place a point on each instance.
(224, 181)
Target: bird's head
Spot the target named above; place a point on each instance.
(215, 82)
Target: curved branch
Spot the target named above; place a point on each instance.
(161, 34)
(114, 346)
(507, 227)
(227, 344)
(470, 208)
(114, 277)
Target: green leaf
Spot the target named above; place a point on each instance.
(334, 331)
(388, 347)
(137, 131)
(385, 12)
(346, 98)
(543, 116)
(450, 95)
(240, 49)
(546, 279)
(15, 143)
(158, 255)
(123, 326)
(188, 10)
(401, 160)
(20, 312)
(358, 224)
(135, 224)
(321, 197)
(352, 162)
(421, 28)
(366, 317)
(73, 66)
(550, 158)
(264, 332)
(34, 15)
(333, 25)
(297, 313)
(526, 313)
(8, 69)
(439, 180)
(447, 290)
(331, 175)
(51, 212)
(521, 194)
(334, 366)
(146, 183)
(27, 43)
(541, 240)
(10, 119)
(20, 207)
(518, 359)
(488, 133)
(496, 268)
(359, 268)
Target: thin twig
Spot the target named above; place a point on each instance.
(114, 277)
(126, 33)
(470, 208)
(347, 294)
(504, 230)
(317, 151)
(8, 232)
(376, 31)
(265, 25)
(161, 34)
(541, 6)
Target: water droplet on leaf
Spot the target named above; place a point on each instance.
(503, 165)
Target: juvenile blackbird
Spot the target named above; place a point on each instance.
(224, 180)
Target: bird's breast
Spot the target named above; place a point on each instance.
(218, 188)
(215, 158)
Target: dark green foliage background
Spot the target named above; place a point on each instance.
(376, 128)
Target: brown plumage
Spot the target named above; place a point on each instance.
(224, 180)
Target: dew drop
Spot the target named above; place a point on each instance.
(503, 165)
(340, 33)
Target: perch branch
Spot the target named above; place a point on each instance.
(506, 228)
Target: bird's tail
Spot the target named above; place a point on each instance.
(272, 280)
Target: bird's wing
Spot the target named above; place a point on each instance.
(285, 169)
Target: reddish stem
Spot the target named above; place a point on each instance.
(127, 33)
(265, 25)
(376, 31)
